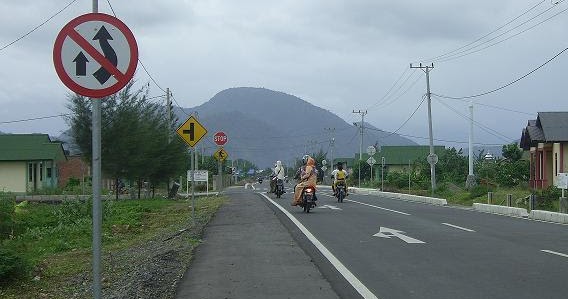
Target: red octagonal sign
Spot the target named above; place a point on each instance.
(220, 138)
(95, 55)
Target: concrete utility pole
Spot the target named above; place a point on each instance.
(432, 158)
(470, 181)
(169, 107)
(331, 144)
(363, 113)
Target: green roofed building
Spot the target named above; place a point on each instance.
(28, 162)
(396, 158)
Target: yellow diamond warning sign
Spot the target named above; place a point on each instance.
(221, 154)
(191, 131)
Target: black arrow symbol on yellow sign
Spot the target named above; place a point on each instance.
(190, 132)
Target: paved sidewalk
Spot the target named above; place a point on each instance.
(248, 253)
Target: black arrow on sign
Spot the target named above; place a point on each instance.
(102, 75)
(80, 64)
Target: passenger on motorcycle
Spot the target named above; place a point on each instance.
(308, 177)
(278, 174)
(339, 176)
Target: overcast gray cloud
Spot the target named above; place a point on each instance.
(340, 55)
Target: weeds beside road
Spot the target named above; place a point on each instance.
(147, 245)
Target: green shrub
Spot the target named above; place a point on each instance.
(7, 208)
(546, 198)
(12, 265)
(478, 191)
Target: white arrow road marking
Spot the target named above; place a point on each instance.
(459, 227)
(385, 232)
(329, 207)
(554, 252)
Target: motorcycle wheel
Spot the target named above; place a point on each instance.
(340, 196)
(277, 194)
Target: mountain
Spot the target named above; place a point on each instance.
(265, 125)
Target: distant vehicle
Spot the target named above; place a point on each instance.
(279, 188)
(260, 180)
(308, 198)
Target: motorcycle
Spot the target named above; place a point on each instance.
(308, 198)
(340, 191)
(260, 180)
(279, 188)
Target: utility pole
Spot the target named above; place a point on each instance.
(363, 113)
(169, 107)
(470, 181)
(331, 144)
(432, 158)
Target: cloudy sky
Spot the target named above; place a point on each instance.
(340, 55)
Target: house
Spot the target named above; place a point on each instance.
(546, 139)
(396, 158)
(28, 162)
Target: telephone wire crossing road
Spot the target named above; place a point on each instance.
(95, 55)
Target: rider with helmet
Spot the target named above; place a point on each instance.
(307, 177)
(339, 176)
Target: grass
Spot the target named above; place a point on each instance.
(56, 239)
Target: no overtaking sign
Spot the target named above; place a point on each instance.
(95, 55)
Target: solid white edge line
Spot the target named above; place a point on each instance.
(354, 281)
(459, 227)
(554, 252)
(377, 207)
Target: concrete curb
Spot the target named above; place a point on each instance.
(400, 196)
(495, 209)
(549, 216)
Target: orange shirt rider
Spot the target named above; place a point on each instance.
(308, 178)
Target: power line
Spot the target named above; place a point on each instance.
(504, 86)
(486, 35)
(503, 40)
(481, 126)
(490, 106)
(38, 26)
(390, 89)
(35, 118)
(404, 123)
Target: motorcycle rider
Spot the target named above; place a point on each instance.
(308, 177)
(278, 175)
(339, 175)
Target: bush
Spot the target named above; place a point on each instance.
(547, 196)
(12, 265)
(478, 191)
(7, 208)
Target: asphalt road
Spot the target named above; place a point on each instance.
(399, 249)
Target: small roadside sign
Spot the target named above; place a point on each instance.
(371, 150)
(371, 161)
(191, 131)
(324, 168)
(562, 180)
(220, 138)
(221, 154)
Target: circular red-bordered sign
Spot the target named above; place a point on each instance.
(220, 138)
(95, 55)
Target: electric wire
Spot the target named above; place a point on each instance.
(38, 26)
(481, 126)
(504, 86)
(503, 40)
(489, 106)
(486, 35)
(406, 91)
(34, 118)
(390, 89)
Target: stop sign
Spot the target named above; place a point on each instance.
(220, 138)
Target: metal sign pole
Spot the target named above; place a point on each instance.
(193, 192)
(97, 215)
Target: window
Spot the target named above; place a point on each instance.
(48, 172)
(30, 172)
(41, 171)
(556, 163)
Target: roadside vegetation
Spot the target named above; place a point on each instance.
(45, 249)
(501, 176)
